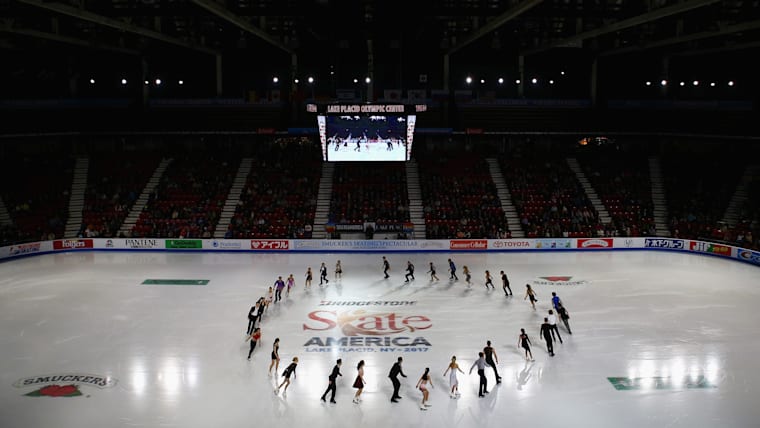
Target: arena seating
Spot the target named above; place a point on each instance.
(375, 192)
(459, 197)
(37, 195)
(548, 197)
(113, 185)
(279, 198)
(622, 182)
(189, 198)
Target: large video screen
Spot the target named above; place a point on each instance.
(385, 137)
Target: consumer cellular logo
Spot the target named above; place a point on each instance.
(468, 244)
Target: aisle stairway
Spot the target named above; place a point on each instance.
(604, 216)
(142, 200)
(322, 213)
(76, 198)
(416, 211)
(659, 199)
(502, 191)
(233, 197)
(740, 196)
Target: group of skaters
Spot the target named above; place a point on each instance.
(549, 332)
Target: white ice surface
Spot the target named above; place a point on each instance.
(178, 352)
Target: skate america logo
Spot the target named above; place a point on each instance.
(364, 331)
(63, 385)
(558, 280)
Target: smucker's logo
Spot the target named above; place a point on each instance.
(63, 385)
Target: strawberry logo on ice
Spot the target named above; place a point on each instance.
(56, 391)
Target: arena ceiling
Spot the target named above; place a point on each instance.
(319, 31)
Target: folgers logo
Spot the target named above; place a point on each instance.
(707, 247)
(511, 243)
(468, 244)
(595, 243)
(72, 244)
(63, 385)
(269, 244)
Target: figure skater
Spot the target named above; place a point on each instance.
(323, 274)
(386, 267)
(290, 282)
(546, 330)
(331, 381)
(289, 370)
(467, 276)
(275, 356)
(255, 336)
(453, 381)
(524, 342)
(562, 311)
(453, 270)
(338, 270)
(553, 325)
(270, 295)
(532, 294)
(489, 280)
(409, 270)
(505, 284)
(307, 284)
(422, 385)
(432, 272)
(359, 382)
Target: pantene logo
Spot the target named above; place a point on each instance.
(468, 244)
(364, 323)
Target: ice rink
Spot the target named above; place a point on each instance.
(681, 328)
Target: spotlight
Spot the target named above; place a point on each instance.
(695, 83)
(275, 79)
(517, 82)
(92, 81)
(551, 82)
(147, 83)
(310, 79)
(663, 82)
(181, 82)
(648, 83)
(158, 81)
(356, 80)
(123, 81)
(468, 80)
(730, 83)
(534, 80)
(562, 73)
(712, 84)
(482, 81)
(501, 80)
(682, 84)
(367, 80)
(296, 81)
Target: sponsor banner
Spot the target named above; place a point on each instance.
(270, 244)
(141, 243)
(510, 244)
(675, 244)
(224, 244)
(709, 247)
(184, 244)
(468, 244)
(63, 384)
(628, 242)
(357, 245)
(748, 256)
(559, 280)
(595, 243)
(546, 244)
(72, 244)
(17, 250)
(366, 329)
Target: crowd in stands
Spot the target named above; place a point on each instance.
(113, 185)
(35, 192)
(459, 198)
(374, 193)
(548, 197)
(189, 198)
(280, 194)
(621, 180)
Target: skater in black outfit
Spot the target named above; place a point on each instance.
(505, 284)
(490, 355)
(253, 315)
(323, 274)
(409, 271)
(289, 370)
(546, 333)
(395, 371)
(433, 276)
(333, 376)
(489, 280)
(524, 342)
(386, 267)
(564, 316)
